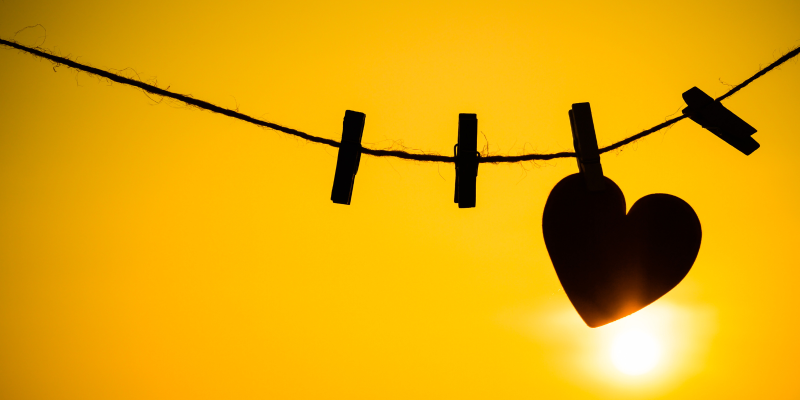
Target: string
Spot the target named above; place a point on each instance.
(38, 52)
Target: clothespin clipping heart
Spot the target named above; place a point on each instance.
(612, 264)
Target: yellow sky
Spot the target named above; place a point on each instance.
(153, 251)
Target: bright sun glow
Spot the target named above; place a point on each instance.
(635, 352)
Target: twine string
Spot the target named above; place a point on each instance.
(38, 52)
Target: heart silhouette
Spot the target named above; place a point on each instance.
(611, 264)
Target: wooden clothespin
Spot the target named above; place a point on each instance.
(349, 157)
(712, 115)
(585, 142)
(466, 155)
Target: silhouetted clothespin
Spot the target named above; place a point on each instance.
(349, 157)
(466, 155)
(585, 142)
(712, 115)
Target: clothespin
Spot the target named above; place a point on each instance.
(712, 115)
(585, 142)
(466, 154)
(349, 157)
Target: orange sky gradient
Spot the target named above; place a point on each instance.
(154, 251)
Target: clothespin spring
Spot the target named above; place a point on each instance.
(457, 162)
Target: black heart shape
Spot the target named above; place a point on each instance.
(612, 265)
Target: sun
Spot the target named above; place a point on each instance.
(635, 352)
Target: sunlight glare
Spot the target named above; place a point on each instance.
(635, 352)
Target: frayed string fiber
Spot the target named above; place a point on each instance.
(364, 150)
